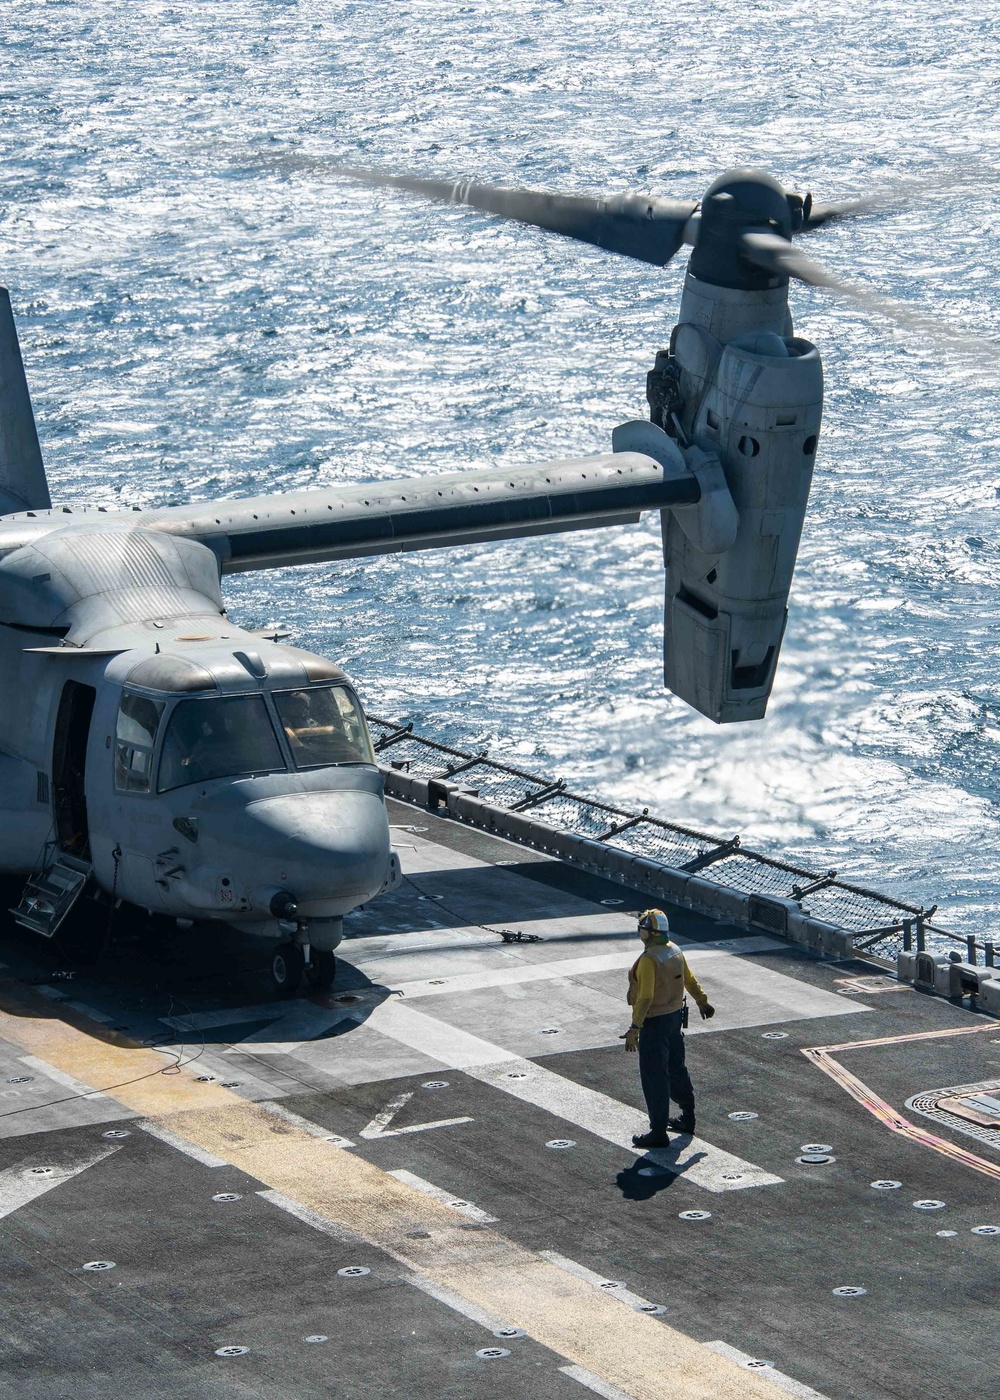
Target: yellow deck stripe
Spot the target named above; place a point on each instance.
(639, 1355)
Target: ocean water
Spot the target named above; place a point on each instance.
(206, 309)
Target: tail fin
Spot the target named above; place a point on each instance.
(22, 475)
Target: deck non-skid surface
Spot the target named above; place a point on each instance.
(456, 1120)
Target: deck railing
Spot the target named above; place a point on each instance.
(877, 923)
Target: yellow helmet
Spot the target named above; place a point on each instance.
(655, 920)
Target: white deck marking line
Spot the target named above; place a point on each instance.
(67, 1081)
(18, 1187)
(379, 1126)
(778, 1378)
(304, 1021)
(455, 1048)
(91, 1012)
(454, 1301)
(315, 1130)
(181, 1144)
(310, 1217)
(465, 1208)
(600, 1281)
(594, 1383)
(515, 973)
(227, 1016)
(597, 1113)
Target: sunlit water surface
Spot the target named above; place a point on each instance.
(203, 315)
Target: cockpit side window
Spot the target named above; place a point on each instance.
(324, 725)
(135, 737)
(218, 738)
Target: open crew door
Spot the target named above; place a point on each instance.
(69, 768)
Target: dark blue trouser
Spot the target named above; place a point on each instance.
(662, 1069)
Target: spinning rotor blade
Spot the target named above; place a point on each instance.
(634, 225)
(777, 255)
(903, 193)
(820, 214)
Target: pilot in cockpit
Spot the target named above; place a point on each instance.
(201, 745)
(297, 717)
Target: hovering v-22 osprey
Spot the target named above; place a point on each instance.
(154, 751)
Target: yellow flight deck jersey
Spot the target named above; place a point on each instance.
(657, 981)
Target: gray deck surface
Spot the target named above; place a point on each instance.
(520, 1043)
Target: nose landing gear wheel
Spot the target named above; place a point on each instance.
(322, 970)
(287, 968)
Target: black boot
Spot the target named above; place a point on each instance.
(650, 1139)
(683, 1124)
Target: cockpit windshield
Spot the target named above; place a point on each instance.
(324, 725)
(218, 738)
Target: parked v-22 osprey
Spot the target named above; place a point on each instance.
(155, 752)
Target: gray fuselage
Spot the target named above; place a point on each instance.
(204, 771)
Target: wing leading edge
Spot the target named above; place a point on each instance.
(434, 512)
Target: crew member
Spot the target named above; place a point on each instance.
(656, 986)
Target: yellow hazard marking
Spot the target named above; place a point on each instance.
(639, 1354)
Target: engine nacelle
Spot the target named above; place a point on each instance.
(756, 402)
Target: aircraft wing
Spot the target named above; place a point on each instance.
(431, 512)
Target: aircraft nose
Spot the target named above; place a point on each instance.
(321, 845)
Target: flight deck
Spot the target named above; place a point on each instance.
(422, 1183)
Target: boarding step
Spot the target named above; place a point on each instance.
(49, 897)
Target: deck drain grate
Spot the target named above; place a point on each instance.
(230, 1084)
(732, 1176)
(551, 1030)
(353, 1271)
(232, 1351)
(754, 1364)
(849, 1291)
(317, 1337)
(886, 1185)
(986, 1230)
(99, 1266)
(558, 1144)
(743, 1116)
(815, 1159)
(946, 1234)
(21, 1079)
(40, 1171)
(507, 1332)
(654, 1309)
(435, 1084)
(115, 1133)
(775, 1035)
(695, 1215)
(927, 1104)
(491, 1353)
(928, 1205)
(816, 1147)
(228, 1196)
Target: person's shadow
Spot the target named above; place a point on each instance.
(643, 1180)
(651, 1174)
